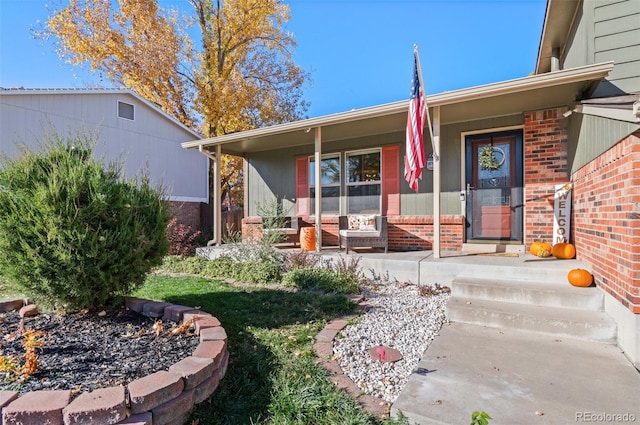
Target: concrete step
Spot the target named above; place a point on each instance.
(491, 247)
(542, 293)
(562, 322)
(524, 267)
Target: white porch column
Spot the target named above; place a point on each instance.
(217, 202)
(436, 182)
(318, 184)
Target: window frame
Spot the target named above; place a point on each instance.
(133, 111)
(348, 184)
(312, 182)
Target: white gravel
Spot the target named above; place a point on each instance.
(401, 318)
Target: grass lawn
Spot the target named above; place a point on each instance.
(272, 376)
(9, 291)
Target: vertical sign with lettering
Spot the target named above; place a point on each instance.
(562, 213)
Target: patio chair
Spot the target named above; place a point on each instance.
(363, 231)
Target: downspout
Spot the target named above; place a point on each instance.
(555, 59)
(217, 204)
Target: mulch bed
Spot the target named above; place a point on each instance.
(84, 352)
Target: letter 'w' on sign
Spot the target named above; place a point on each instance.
(414, 159)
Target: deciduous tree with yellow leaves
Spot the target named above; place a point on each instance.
(238, 75)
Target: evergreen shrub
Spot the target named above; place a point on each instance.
(73, 232)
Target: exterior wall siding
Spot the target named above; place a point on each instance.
(151, 140)
(545, 163)
(590, 136)
(606, 217)
(617, 37)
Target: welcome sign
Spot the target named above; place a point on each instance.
(561, 213)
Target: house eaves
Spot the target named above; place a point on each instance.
(620, 108)
(558, 24)
(126, 92)
(561, 88)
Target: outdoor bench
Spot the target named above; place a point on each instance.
(358, 231)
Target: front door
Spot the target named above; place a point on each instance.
(494, 195)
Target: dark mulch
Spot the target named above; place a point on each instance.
(84, 352)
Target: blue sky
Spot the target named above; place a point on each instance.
(359, 52)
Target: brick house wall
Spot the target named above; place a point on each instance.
(606, 220)
(187, 213)
(545, 165)
(416, 232)
(405, 232)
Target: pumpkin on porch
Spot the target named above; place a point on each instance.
(540, 249)
(580, 277)
(564, 251)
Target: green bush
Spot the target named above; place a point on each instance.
(327, 280)
(224, 266)
(73, 232)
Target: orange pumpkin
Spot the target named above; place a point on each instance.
(580, 277)
(564, 251)
(537, 247)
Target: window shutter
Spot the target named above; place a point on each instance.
(302, 186)
(391, 180)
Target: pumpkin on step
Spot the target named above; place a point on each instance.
(540, 249)
(580, 277)
(564, 251)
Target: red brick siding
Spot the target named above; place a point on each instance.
(545, 163)
(403, 231)
(606, 220)
(187, 213)
(417, 231)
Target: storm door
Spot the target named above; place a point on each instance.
(494, 187)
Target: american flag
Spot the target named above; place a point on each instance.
(414, 159)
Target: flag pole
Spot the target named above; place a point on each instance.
(435, 146)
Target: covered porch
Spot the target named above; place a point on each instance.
(435, 219)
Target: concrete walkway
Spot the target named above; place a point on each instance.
(518, 377)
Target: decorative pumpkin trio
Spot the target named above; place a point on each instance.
(564, 251)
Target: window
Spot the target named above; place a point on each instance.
(330, 181)
(363, 182)
(367, 183)
(125, 110)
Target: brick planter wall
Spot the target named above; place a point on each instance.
(606, 220)
(545, 164)
(164, 397)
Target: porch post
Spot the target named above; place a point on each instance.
(217, 202)
(436, 182)
(318, 184)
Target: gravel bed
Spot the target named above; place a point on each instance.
(402, 316)
(84, 352)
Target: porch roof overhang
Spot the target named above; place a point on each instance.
(560, 88)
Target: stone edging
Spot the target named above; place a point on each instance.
(162, 398)
(323, 350)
